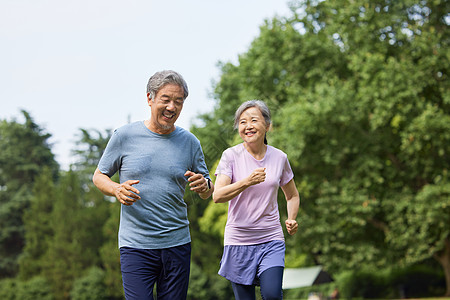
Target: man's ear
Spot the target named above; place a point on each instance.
(149, 100)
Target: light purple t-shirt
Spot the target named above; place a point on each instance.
(253, 215)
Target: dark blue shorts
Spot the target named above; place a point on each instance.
(169, 268)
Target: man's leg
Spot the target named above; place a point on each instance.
(271, 281)
(140, 269)
(174, 279)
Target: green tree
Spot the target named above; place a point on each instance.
(89, 149)
(90, 287)
(110, 255)
(65, 257)
(377, 142)
(37, 225)
(24, 151)
(359, 92)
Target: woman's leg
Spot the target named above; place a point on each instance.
(271, 281)
(243, 292)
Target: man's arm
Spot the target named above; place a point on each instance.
(199, 184)
(124, 192)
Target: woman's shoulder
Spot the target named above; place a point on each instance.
(234, 150)
(276, 151)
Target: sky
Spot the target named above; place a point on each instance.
(86, 63)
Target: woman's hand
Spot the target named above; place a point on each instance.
(257, 176)
(291, 226)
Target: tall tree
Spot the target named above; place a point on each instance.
(359, 91)
(37, 225)
(24, 151)
(64, 259)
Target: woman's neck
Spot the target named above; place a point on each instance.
(257, 150)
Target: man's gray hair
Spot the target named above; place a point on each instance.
(252, 103)
(160, 79)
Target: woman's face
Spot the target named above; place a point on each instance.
(252, 126)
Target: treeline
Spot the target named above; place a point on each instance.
(360, 96)
(359, 93)
(58, 233)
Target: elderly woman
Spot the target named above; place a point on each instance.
(248, 177)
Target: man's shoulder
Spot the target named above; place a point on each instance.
(181, 132)
(130, 127)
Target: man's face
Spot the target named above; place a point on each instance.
(166, 108)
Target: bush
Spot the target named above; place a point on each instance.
(90, 287)
(208, 286)
(361, 284)
(35, 288)
(418, 281)
(8, 289)
(412, 282)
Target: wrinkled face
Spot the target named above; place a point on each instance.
(252, 126)
(166, 108)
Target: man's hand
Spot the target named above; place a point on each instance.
(126, 193)
(198, 183)
(291, 226)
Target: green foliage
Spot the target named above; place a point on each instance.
(89, 287)
(214, 219)
(110, 255)
(63, 261)
(359, 93)
(24, 150)
(202, 286)
(38, 228)
(412, 282)
(198, 283)
(88, 150)
(8, 289)
(35, 288)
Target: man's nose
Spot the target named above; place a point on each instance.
(170, 105)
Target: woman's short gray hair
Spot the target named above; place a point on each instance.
(160, 79)
(252, 103)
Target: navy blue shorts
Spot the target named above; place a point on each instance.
(169, 268)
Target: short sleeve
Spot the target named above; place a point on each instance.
(110, 161)
(287, 173)
(225, 166)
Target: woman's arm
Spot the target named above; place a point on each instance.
(224, 190)
(293, 202)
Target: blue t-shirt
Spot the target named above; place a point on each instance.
(159, 161)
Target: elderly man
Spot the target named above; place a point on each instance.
(155, 160)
